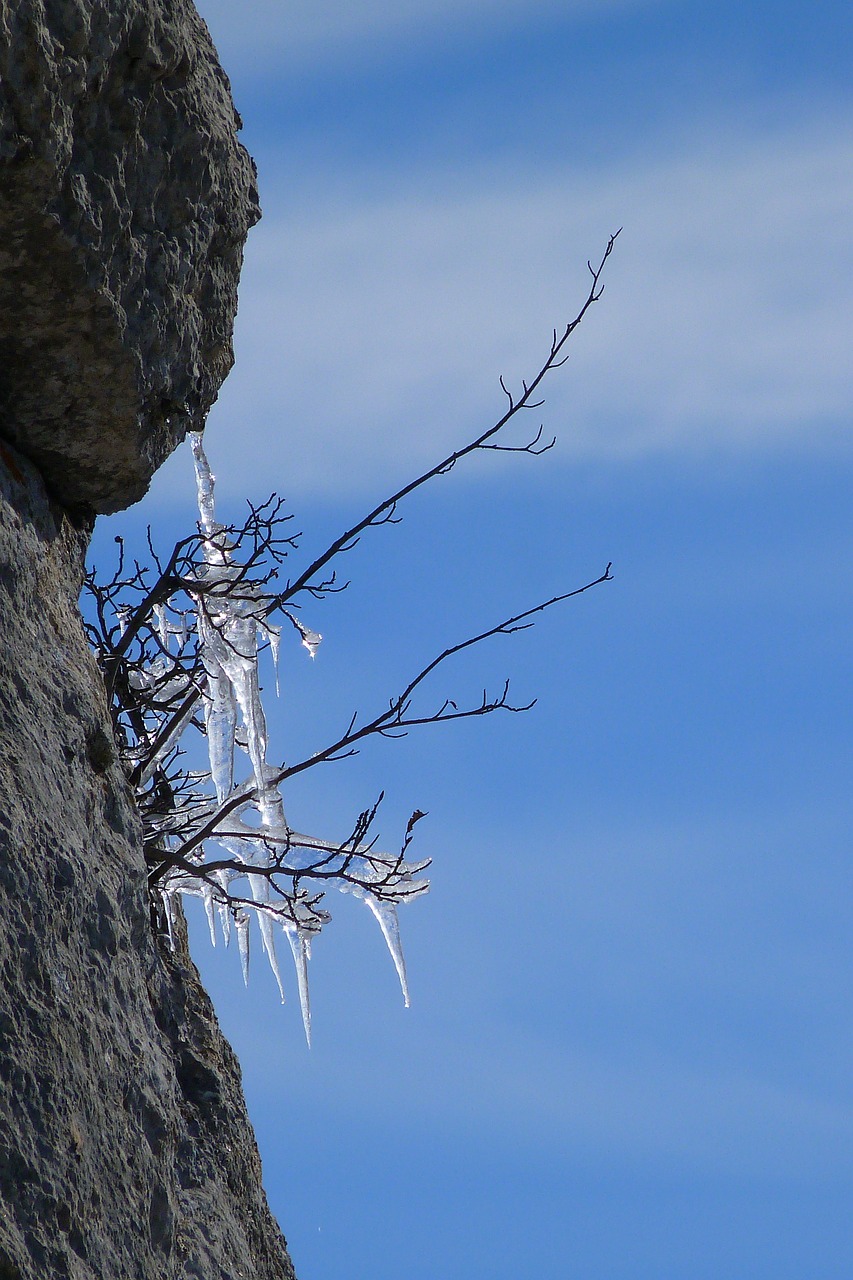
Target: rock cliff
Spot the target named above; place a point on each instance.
(125, 198)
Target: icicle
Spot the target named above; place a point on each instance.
(207, 897)
(274, 634)
(301, 948)
(261, 893)
(224, 912)
(268, 938)
(231, 648)
(241, 920)
(220, 718)
(205, 481)
(386, 914)
(243, 674)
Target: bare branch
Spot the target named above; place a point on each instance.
(378, 515)
(396, 719)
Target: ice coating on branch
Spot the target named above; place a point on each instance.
(162, 624)
(311, 640)
(268, 862)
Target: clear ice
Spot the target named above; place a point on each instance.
(231, 627)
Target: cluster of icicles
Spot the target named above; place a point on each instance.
(231, 624)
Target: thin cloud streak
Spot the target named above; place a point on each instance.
(374, 333)
(725, 1119)
(308, 33)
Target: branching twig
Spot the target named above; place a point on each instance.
(383, 513)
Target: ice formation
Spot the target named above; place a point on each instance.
(247, 821)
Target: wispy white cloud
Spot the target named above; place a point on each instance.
(701, 1114)
(316, 32)
(372, 333)
(619, 1099)
(645, 1106)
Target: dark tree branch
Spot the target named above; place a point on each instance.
(384, 511)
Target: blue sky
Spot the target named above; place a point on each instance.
(629, 1053)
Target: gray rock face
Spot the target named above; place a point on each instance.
(125, 199)
(125, 1150)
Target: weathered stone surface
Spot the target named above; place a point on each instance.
(125, 1151)
(125, 199)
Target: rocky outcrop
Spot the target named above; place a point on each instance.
(125, 1149)
(125, 199)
